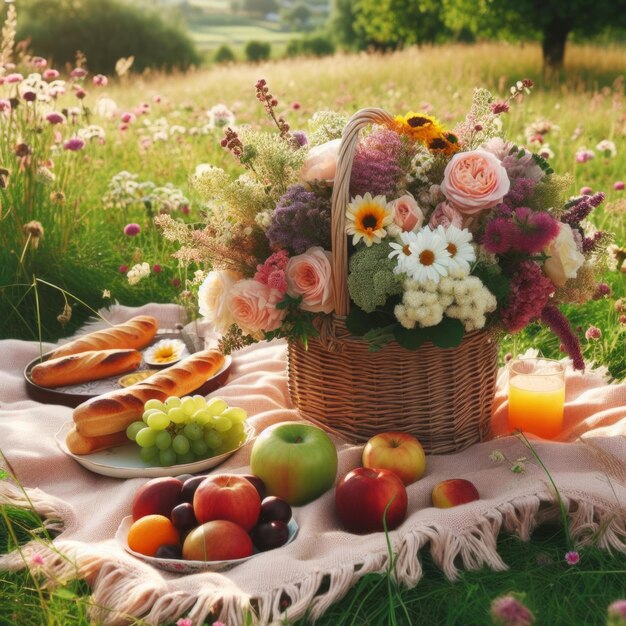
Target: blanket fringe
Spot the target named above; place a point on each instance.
(144, 593)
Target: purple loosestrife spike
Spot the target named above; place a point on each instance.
(559, 325)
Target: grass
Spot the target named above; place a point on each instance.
(83, 247)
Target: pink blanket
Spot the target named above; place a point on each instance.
(587, 465)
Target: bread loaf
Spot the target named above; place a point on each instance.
(84, 366)
(79, 444)
(137, 333)
(114, 411)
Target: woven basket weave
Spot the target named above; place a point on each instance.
(442, 396)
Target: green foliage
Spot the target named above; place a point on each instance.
(224, 54)
(314, 45)
(257, 51)
(260, 7)
(105, 31)
(297, 17)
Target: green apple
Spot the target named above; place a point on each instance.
(296, 461)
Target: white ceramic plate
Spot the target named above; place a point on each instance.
(125, 462)
(180, 566)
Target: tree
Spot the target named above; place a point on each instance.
(298, 16)
(550, 21)
(260, 7)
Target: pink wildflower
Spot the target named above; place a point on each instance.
(184, 621)
(29, 95)
(37, 559)
(618, 185)
(219, 624)
(296, 105)
(560, 326)
(536, 229)
(584, 154)
(51, 74)
(622, 319)
(499, 107)
(157, 98)
(272, 272)
(499, 235)
(123, 127)
(593, 333)
(13, 79)
(176, 282)
(54, 117)
(156, 268)
(78, 72)
(80, 93)
(100, 80)
(5, 105)
(123, 269)
(586, 191)
(616, 613)
(509, 611)
(132, 230)
(74, 144)
(572, 557)
(602, 291)
(38, 62)
(127, 118)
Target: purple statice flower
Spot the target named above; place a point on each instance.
(132, 230)
(560, 326)
(272, 272)
(529, 293)
(593, 333)
(376, 168)
(300, 137)
(616, 613)
(510, 611)
(521, 189)
(535, 230)
(499, 235)
(572, 557)
(300, 220)
(74, 144)
(580, 207)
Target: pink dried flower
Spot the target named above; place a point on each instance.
(74, 144)
(51, 74)
(593, 333)
(272, 272)
(499, 107)
(618, 185)
(572, 557)
(132, 230)
(510, 611)
(100, 80)
(184, 621)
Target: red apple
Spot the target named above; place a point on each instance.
(157, 497)
(362, 495)
(219, 540)
(227, 497)
(399, 452)
(453, 492)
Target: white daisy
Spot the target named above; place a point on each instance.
(366, 218)
(423, 257)
(164, 352)
(460, 247)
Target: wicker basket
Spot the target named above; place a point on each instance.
(442, 396)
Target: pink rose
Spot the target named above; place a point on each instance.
(310, 275)
(445, 215)
(321, 163)
(406, 214)
(473, 181)
(253, 307)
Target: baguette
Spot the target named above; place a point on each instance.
(114, 411)
(84, 366)
(137, 333)
(79, 444)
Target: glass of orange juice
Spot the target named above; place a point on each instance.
(536, 396)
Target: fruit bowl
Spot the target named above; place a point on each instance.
(124, 461)
(180, 566)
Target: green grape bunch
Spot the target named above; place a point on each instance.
(185, 430)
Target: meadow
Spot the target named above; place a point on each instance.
(83, 256)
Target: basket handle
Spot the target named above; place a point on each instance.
(341, 198)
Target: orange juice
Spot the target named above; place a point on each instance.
(536, 404)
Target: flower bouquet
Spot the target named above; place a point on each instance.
(390, 261)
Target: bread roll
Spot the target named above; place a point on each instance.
(79, 444)
(114, 411)
(84, 366)
(137, 333)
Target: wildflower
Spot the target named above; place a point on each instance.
(622, 319)
(496, 456)
(22, 150)
(13, 79)
(461, 250)
(57, 197)
(602, 291)
(419, 126)
(29, 95)
(74, 144)
(618, 185)
(498, 236)
(559, 325)
(508, 357)
(518, 467)
(586, 191)
(37, 559)
(593, 333)
(616, 613)
(184, 621)
(35, 232)
(65, 316)
(607, 147)
(105, 107)
(367, 218)
(127, 118)
(499, 107)
(510, 611)
(300, 137)
(422, 256)
(123, 269)
(584, 154)
(100, 80)
(137, 272)
(176, 282)
(5, 105)
(156, 268)
(50, 74)
(78, 72)
(272, 272)
(220, 116)
(572, 557)
(132, 230)
(535, 230)
(620, 305)
(55, 117)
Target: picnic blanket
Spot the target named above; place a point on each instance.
(323, 562)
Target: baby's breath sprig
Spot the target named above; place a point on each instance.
(520, 87)
(269, 103)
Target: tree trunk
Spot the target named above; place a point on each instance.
(555, 34)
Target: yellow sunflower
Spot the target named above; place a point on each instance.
(366, 218)
(419, 126)
(446, 143)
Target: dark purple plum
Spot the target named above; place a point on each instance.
(274, 508)
(189, 488)
(183, 517)
(259, 485)
(269, 535)
(169, 551)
